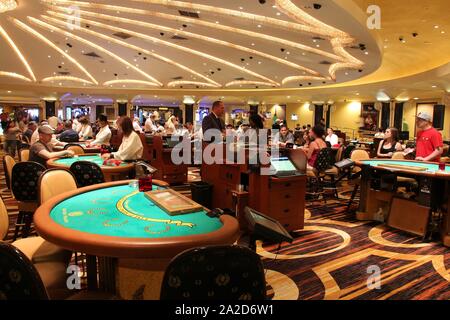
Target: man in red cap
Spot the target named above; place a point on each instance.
(429, 144)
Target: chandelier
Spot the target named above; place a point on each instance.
(7, 5)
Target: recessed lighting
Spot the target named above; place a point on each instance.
(442, 31)
(241, 8)
(259, 26)
(278, 14)
(366, 53)
(9, 91)
(318, 46)
(436, 27)
(253, 44)
(217, 22)
(434, 86)
(416, 98)
(49, 57)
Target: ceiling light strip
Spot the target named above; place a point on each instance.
(297, 14)
(245, 15)
(17, 51)
(7, 5)
(245, 82)
(337, 42)
(14, 75)
(303, 78)
(89, 43)
(188, 34)
(149, 53)
(38, 35)
(195, 83)
(166, 43)
(207, 24)
(66, 78)
(129, 81)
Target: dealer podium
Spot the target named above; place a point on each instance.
(238, 185)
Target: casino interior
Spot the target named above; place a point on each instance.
(217, 150)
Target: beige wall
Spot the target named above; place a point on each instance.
(345, 116)
(305, 116)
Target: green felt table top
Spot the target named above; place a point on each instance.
(431, 167)
(123, 211)
(94, 158)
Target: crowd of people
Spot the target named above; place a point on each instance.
(42, 138)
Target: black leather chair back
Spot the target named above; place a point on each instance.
(87, 173)
(216, 272)
(323, 160)
(25, 178)
(19, 279)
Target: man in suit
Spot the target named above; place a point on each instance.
(214, 120)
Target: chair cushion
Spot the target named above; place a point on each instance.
(38, 250)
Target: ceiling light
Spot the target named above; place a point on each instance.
(153, 39)
(436, 27)
(7, 5)
(17, 51)
(195, 83)
(245, 82)
(98, 47)
(434, 86)
(130, 81)
(416, 98)
(66, 78)
(28, 29)
(9, 91)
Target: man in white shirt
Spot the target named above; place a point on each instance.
(104, 134)
(137, 125)
(150, 123)
(331, 137)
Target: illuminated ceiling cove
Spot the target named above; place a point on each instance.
(201, 44)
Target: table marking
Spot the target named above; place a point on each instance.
(129, 212)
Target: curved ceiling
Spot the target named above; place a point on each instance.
(203, 44)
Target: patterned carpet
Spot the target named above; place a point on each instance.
(337, 257)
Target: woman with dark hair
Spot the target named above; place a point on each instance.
(316, 135)
(131, 147)
(86, 129)
(390, 144)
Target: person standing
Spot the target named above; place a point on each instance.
(11, 138)
(214, 119)
(429, 144)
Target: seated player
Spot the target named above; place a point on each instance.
(104, 134)
(429, 144)
(137, 125)
(390, 144)
(316, 144)
(332, 138)
(86, 129)
(283, 137)
(69, 134)
(42, 149)
(131, 147)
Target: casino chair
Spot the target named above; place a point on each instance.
(24, 154)
(77, 149)
(21, 279)
(215, 273)
(87, 173)
(355, 177)
(50, 260)
(54, 182)
(24, 184)
(323, 176)
(8, 164)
